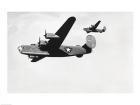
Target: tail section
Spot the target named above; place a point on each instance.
(90, 43)
(104, 29)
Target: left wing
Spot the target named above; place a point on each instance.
(96, 25)
(62, 33)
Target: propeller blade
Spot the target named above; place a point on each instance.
(45, 32)
(39, 41)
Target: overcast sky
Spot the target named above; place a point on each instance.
(107, 69)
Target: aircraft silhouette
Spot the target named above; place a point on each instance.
(53, 47)
(93, 28)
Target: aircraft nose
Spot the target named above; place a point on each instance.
(84, 29)
(20, 48)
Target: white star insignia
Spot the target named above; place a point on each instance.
(68, 50)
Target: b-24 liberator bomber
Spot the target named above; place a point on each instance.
(54, 48)
(93, 28)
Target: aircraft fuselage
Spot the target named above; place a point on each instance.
(63, 51)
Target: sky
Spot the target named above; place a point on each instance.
(107, 69)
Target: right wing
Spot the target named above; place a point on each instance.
(62, 33)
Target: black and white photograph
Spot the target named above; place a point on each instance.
(69, 52)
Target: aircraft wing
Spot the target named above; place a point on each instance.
(96, 25)
(37, 59)
(62, 33)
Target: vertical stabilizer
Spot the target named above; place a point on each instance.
(90, 43)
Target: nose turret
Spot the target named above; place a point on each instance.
(20, 49)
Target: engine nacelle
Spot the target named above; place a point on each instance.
(51, 36)
(42, 42)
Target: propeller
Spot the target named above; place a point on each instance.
(39, 41)
(45, 34)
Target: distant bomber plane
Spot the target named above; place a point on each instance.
(53, 47)
(93, 28)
